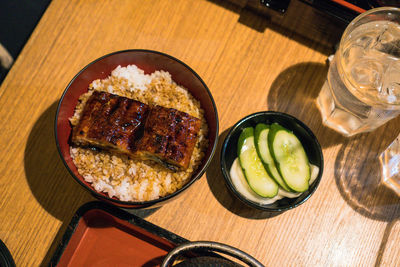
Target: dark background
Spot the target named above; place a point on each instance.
(18, 18)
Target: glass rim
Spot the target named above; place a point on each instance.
(361, 16)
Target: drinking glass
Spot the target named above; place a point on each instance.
(362, 89)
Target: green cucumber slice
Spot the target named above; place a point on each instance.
(290, 158)
(256, 175)
(261, 142)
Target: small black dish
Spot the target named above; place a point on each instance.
(306, 137)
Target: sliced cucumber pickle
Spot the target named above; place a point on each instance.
(290, 158)
(261, 142)
(256, 175)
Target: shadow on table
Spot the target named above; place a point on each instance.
(308, 29)
(142, 213)
(295, 90)
(382, 246)
(49, 181)
(357, 176)
(221, 192)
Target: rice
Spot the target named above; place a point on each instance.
(129, 179)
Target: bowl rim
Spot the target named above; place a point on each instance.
(225, 170)
(139, 204)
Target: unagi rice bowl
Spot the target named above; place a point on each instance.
(131, 179)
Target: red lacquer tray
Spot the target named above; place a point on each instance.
(102, 235)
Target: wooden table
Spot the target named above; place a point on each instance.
(250, 62)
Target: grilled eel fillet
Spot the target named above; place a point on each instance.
(110, 122)
(126, 126)
(169, 136)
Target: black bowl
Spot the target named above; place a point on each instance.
(149, 61)
(306, 137)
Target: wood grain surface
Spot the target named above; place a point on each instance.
(251, 62)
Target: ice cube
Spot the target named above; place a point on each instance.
(367, 73)
(389, 40)
(365, 41)
(352, 53)
(390, 91)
